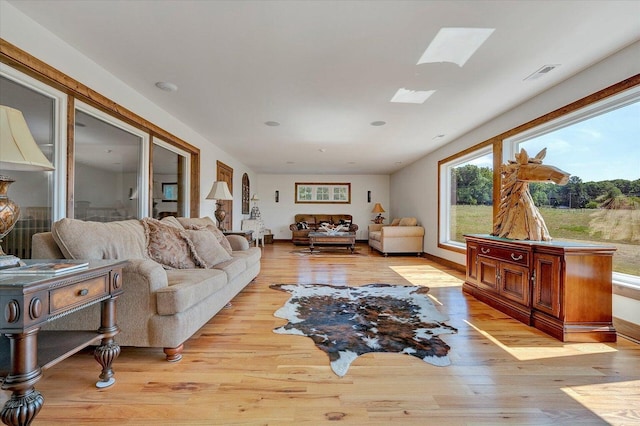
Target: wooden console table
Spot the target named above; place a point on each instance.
(561, 288)
(30, 301)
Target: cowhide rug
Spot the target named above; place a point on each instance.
(346, 322)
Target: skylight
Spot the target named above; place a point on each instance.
(455, 45)
(411, 96)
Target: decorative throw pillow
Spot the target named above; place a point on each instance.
(395, 222)
(408, 221)
(171, 220)
(216, 232)
(302, 225)
(169, 246)
(345, 222)
(207, 247)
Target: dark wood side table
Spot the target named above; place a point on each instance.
(248, 234)
(28, 302)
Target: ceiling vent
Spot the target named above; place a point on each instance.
(544, 70)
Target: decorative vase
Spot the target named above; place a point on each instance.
(9, 211)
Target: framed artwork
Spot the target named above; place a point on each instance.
(169, 192)
(323, 193)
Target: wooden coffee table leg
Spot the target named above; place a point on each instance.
(25, 402)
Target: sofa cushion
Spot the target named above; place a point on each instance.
(171, 220)
(233, 267)
(375, 235)
(408, 221)
(207, 247)
(187, 287)
(79, 239)
(170, 246)
(251, 256)
(206, 222)
(395, 222)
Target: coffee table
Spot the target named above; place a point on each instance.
(347, 239)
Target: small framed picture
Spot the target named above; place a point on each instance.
(169, 192)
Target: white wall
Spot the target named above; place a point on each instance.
(21, 31)
(278, 216)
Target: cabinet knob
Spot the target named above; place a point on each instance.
(83, 292)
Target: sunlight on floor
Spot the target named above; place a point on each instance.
(540, 351)
(625, 391)
(426, 275)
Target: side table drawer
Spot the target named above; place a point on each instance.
(78, 294)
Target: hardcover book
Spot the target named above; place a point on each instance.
(46, 268)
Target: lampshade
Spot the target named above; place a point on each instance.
(377, 208)
(219, 191)
(18, 149)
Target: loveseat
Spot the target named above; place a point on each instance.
(401, 236)
(181, 272)
(305, 223)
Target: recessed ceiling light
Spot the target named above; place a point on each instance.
(322, 150)
(352, 162)
(79, 124)
(411, 96)
(272, 123)
(455, 45)
(378, 123)
(440, 136)
(291, 162)
(166, 86)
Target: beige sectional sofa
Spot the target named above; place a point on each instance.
(181, 272)
(401, 236)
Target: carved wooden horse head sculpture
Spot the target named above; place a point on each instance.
(518, 218)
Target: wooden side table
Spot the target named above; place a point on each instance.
(28, 302)
(247, 233)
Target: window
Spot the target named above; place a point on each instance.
(110, 168)
(598, 146)
(466, 197)
(170, 180)
(43, 109)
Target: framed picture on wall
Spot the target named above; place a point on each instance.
(169, 192)
(319, 193)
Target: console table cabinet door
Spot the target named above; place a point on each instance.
(488, 274)
(547, 282)
(514, 283)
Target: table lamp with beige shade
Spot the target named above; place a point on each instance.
(18, 152)
(378, 209)
(219, 192)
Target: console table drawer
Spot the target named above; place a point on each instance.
(79, 294)
(510, 255)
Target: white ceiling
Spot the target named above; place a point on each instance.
(326, 69)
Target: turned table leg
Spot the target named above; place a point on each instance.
(108, 350)
(25, 402)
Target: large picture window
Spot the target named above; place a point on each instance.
(466, 196)
(598, 145)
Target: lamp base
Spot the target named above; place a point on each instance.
(220, 214)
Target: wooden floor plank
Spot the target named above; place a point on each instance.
(236, 371)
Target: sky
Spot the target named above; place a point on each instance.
(604, 147)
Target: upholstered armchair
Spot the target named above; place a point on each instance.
(402, 236)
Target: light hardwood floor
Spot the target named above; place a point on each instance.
(237, 371)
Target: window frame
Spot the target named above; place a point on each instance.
(444, 188)
(60, 99)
